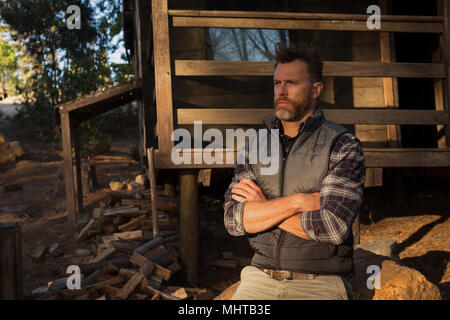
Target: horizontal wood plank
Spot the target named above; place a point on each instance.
(331, 69)
(374, 157)
(342, 116)
(298, 15)
(305, 24)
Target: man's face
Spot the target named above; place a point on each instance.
(294, 91)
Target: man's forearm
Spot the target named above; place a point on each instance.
(262, 215)
(293, 225)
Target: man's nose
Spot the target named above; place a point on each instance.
(282, 90)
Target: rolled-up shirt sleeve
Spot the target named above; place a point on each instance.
(340, 195)
(234, 210)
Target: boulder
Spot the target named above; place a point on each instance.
(10, 151)
(396, 282)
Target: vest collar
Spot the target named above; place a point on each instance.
(310, 124)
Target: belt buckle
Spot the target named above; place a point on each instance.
(289, 275)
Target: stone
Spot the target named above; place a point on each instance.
(381, 246)
(10, 151)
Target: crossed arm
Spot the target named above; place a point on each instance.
(261, 214)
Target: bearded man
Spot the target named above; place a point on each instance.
(299, 220)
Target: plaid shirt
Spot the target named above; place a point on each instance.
(340, 194)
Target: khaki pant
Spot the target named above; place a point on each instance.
(258, 285)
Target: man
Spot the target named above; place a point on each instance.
(299, 220)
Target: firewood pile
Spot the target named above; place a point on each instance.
(129, 262)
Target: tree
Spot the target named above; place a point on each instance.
(8, 65)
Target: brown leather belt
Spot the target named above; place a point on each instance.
(290, 275)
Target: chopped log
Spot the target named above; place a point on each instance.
(175, 267)
(164, 295)
(83, 233)
(159, 271)
(118, 262)
(110, 269)
(105, 254)
(147, 268)
(167, 258)
(111, 212)
(146, 204)
(148, 246)
(11, 286)
(130, 286)
(10, 187)
(103, 297)
(39, 253)
(140, 296)
(130, 235)
(155, 253)
(156, 296)
(171, 224)
(132, 224)
(126, 273)
(107, 240)
(180, 293)
(224, 263)
(111, 290)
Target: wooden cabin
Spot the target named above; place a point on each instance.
(388, 85)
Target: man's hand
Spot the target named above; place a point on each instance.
(247, 190)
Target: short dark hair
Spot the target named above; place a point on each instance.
(305, 52)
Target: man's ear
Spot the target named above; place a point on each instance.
(317, 89)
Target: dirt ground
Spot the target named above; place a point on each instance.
(417, 219)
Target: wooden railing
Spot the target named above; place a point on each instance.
(375, 157)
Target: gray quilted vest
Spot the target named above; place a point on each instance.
(301, 170)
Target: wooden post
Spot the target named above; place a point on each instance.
(444, 10)
(79, 184)
(152, 178)
(189, 223)
(68, 170)
(163, 75)
(11, 287)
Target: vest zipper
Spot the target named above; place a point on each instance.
(283, 167)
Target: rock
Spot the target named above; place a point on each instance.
(10, 151)
(383, 247)
(397, 282)
(117, 185)
(403, 283)
(140, 179)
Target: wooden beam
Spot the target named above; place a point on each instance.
(305, 24)
(11, 285)
(375, 158)
(330, 69)
(163, 77)
(66, 133)
(390, 87)
(298, 15)
(343, 116)
(189, 223)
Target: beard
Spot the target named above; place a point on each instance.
(295, 113)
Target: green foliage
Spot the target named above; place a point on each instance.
(8, 66)
(65, 64)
